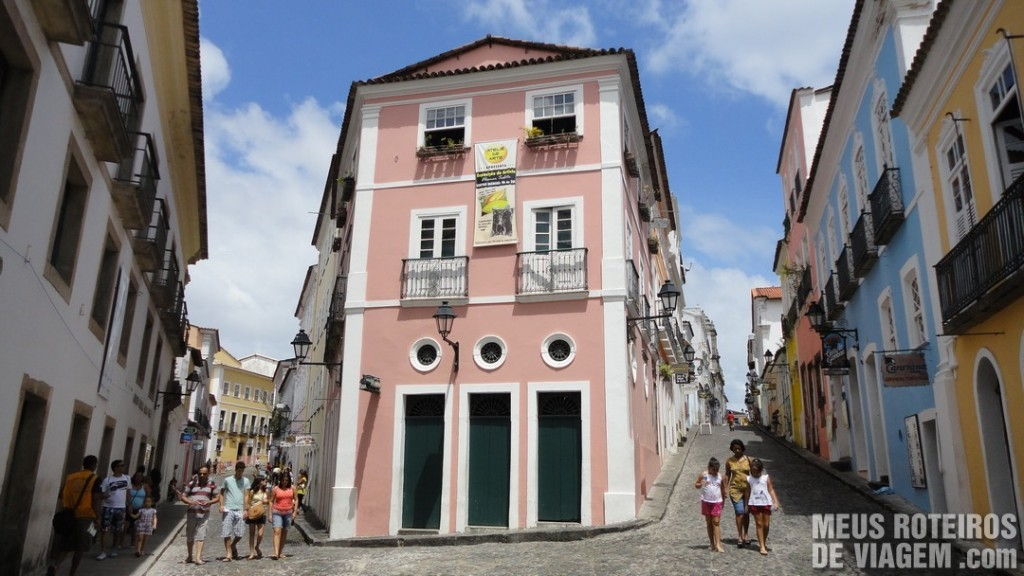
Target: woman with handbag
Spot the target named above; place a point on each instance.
(284, 504)
(256, 515)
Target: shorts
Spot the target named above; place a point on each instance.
(195, 527)
(78, 541)
(256, 521)
(710, 508)
(739, 506)
(755, 509)
(232, 524)
(112, 520)
(282, 519)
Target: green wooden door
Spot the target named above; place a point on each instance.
(424, 455)
(558, 456)
(490, 434)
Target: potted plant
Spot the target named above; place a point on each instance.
(665, 371)
(645, 212)
(447, 147)
(536, 138)
(652, 244)
(630, 161)
(348, 187)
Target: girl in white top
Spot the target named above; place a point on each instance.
(761, 499)
(709, 483)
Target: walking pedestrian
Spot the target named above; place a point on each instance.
(200, 494)
(115, 502)
(761, 499)
(256, 515)
(283, 510)
(137, 494)
(737, 467)
(144, 525)
(77, 495)
(300, 487)
(232, 509)
(712, 495)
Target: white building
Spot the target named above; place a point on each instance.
(763, 343)
(102, 209)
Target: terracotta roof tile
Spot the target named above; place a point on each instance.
(772, 292)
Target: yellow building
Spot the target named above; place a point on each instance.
(245, 398)
(962, 103)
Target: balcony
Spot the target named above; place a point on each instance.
(335, 320)
(632, 289)
(862, 245)
(803, 291)
(108, 96)
(163, 287)
(830, 297)
(847, 282)
(886, 206)
(553, 140)
(232, 429)
(984, 271)
(174, 318)
(553, 272)
(149, 242)
(435, 278)
(134, 190)
(67, 21)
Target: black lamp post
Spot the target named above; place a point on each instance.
(768, 356)
(300, 345)
(445, 318)
(816, 314)
(192, 382)
(669, 296)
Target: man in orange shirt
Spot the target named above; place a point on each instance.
(78, 491)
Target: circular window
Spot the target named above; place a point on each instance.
(558, 350)
(425, 354)
(490, 352)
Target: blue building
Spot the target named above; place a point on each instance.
(864, 231)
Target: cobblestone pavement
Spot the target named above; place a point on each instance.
(677, 545)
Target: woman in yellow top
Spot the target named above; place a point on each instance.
(300, 488)
(737, 468)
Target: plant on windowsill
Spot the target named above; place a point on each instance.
(536, 138)
(652, 244)
(645, 211)
(348, 187)
(631, 166)
(447, 147)
(665, 371)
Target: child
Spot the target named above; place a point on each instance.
(144, 525)
(761, 498)
(711, 498)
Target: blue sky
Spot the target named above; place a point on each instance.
(716, 77)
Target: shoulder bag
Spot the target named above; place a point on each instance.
(64, 519)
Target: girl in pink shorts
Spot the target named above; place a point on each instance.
(709, 483)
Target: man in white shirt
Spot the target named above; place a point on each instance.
(115, 491)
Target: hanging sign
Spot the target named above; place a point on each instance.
(495, 193)
(833, 346)
(901, 369)
(681, 378)
(303, 439)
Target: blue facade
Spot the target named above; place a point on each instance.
(862, 310)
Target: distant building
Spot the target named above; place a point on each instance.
(244, 390)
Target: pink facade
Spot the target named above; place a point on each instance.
(546, 367)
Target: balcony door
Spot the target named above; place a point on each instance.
(555, 266)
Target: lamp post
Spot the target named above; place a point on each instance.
(445, 318)
(669, 296)
(192, 382)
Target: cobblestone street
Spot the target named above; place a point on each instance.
(676, 545)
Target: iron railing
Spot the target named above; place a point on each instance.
(337, 310)
(149, 242)
(844, 274)
(632, 288)
(140, 171)
(804, 289)
(886, 205)
(991, 252)
(830, 296)
(551, 271)
(110, 64)
(435, 277)
(862, 245)
(165, 280)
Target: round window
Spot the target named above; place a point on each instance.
(558, 350)
(425, 354)
(490, 352)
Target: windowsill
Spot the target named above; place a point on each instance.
(434, 301)
(441, 151)
(553, 296)
(551, 140)
(54, 278)
(96, 329)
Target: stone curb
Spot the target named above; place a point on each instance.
(651, 512)
(893, 503)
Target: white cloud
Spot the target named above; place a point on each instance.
(265, 176)
(661, 116)
(725, 241)
(735, 44)
(535, 20)
(724, 294)
(215, 69)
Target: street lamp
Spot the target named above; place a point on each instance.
(445, 318)
(301, 344)
(768, 356)
(816, 314)
(192, 382)
(669, 296)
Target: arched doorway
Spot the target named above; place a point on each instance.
(995, 445)
(879, 447)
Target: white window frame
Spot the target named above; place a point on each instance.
(947, 138)
(859, 165)
(530, 221)
(844, 211)
(996, 59)
(576, 89)
(415, 216)
(887, 320)
(882, 128)
(414, 359)
(558, 364)
(915, 335)
(479, 359)
(467, 125)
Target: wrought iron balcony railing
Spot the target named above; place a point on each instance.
(174, 318)
(134, 189)
(862, 245)
(804, 289)
(149, 242)
(847, 284)
(337, 310)
(163, 288)
(553, 271)
(886, 205)
(435, 277)
(982, 273)
(109, 93)
(830, 296)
